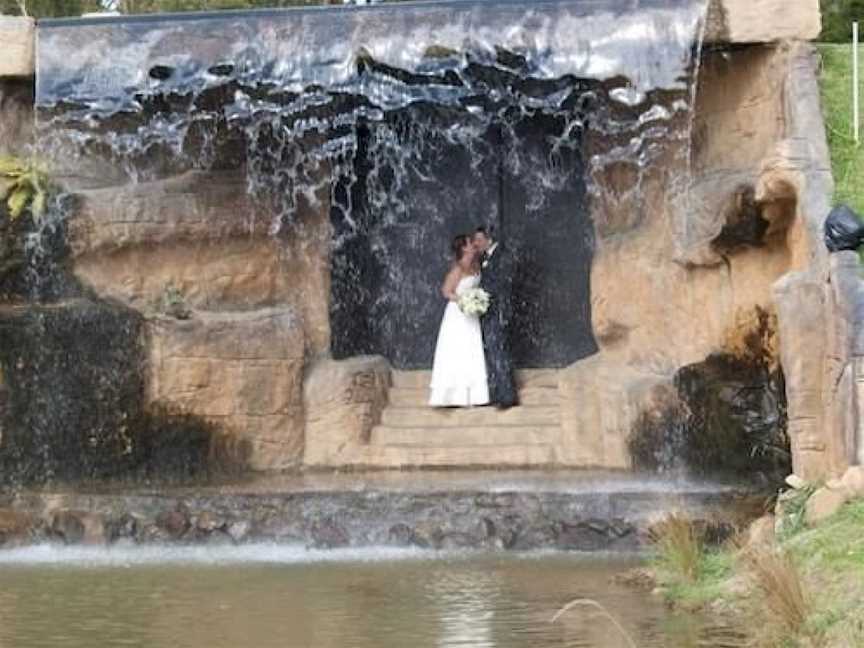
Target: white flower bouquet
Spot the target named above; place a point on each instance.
(474, 301)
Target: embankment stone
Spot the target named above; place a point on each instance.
(240, 371)
(823, 504)
(17, 36)
(763, 21)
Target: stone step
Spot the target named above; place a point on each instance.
(403, 456)
(420, 379)
(491, 437)
(470, 416)
(408, 397)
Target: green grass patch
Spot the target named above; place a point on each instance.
(847, 158)
(716, 567)
(828, 561)
(794, 510)
(836, 545)
(831, 557)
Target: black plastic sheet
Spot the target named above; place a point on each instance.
(843, 229)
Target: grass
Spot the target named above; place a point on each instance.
(794, 510)
(680, 545)
(847, 159)
(808, 591)
(831, 558)
(716, 567)
(691, 574)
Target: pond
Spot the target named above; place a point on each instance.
(275, 595)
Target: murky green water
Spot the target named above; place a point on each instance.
(261, 597)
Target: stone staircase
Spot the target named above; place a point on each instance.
(412, 434)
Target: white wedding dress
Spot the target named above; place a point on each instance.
(459, 369)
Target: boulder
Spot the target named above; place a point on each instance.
(823, 504)
(209, 522)
(15, 527)
(79, 527)
(238, 530)
(342, 400)
(329, 534)
(794, 481)
(761, 532)
(853, 482)
(173, 523)
(124, 528)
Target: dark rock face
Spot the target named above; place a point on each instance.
(79, 527)
(74, 389)
(745, 225)
(737, 420)
(729, 417)
(517, 521)
(73, 400)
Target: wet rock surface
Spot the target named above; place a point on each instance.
(724, 415)
(518, 521)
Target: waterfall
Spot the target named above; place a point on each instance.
(408, 123)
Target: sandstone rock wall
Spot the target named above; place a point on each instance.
(343, 400)
(763, 21)
(254, 305)
(670, 291)
(19, 54)
(16, 84)
(241, 371)
(674, 270)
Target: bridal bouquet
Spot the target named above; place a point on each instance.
(474, 301)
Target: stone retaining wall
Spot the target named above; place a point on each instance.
(517, 521)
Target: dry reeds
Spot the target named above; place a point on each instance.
(603, 611)
(680, 545)
(777, 577)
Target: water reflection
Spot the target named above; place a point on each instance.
(361, 600)
(466, 603)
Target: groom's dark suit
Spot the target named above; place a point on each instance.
(496, 278)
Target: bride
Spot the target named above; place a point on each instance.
(459, 369)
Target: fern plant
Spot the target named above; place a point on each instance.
(23, 185)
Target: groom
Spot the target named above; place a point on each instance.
(496, 278)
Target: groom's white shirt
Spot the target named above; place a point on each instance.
(489, 253)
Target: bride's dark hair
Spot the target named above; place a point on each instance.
(457, 244)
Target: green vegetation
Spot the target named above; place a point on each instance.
(24, 186)
(847, 159)
(831, 560)
(47, 8)
(794, 508)
(807, 591)
(837, 19)
(680, 547)
(716, 567)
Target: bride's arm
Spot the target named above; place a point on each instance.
(450, 283)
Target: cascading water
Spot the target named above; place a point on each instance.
(410, 123)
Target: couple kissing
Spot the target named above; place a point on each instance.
(472, 364)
